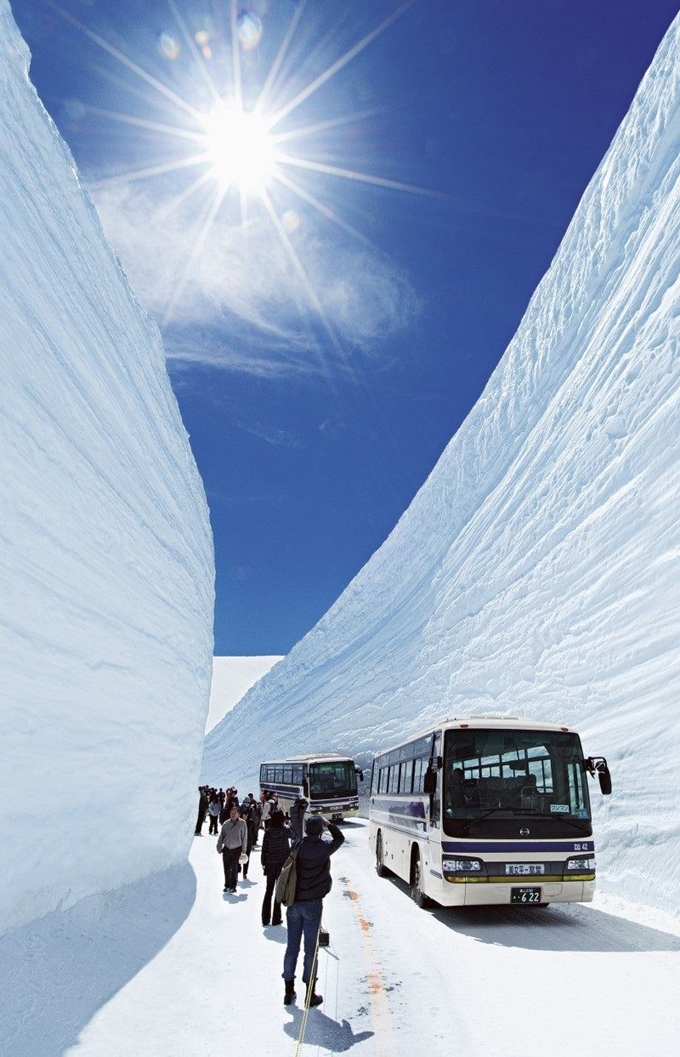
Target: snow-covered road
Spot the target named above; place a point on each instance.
(398, 980)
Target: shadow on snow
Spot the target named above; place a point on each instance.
(58, 971)
(559, 927)
(333, 1035)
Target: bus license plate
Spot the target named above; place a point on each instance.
(525, 895)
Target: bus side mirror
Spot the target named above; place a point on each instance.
(597, 765)
(360, 773)
(430, 782)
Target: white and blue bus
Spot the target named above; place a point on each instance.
(327, 781)
(487, 810)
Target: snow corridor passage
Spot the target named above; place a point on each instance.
(397, 980)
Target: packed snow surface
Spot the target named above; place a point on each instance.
(231, 678)
(537, 572)
(171, 967)
(106, 567)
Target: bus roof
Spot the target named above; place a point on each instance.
(488, 722)
(312, 758)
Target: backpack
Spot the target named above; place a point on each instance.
(287, 879)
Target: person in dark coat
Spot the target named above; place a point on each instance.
(297, 816)
(250, 811)
(275, 848)
(230, 800)
(202, 808)
(214, 809)
(303, 917)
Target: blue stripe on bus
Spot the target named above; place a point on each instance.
(517, 845)
(400, 822)
(410, 808)
(289, 793)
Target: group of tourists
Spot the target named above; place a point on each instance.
(240, 823)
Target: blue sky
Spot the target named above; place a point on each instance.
(336, 285)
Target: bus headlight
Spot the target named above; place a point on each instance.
(464, 869)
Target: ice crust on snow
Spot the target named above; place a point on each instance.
(106, 565)
(537, 571)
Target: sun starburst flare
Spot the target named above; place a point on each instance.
(245, 149)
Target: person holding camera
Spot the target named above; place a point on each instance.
(303, 917)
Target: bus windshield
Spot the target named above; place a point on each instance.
(494, 779)
(332, 779)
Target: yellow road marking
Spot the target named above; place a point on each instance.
(375, 982)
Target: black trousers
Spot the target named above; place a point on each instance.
(213, 824)
(230, 857)
(272, 877)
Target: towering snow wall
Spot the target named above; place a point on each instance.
(106, 565)
(537, 572)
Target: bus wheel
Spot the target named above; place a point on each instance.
(380, 867)
(417, 894)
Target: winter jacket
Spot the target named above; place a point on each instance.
(297, 818)
(214, 808)
(275, 846)
(233, 835)
(313, 866)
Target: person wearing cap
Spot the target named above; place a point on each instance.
(303, 917)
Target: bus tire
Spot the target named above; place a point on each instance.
(417, 894)
(380, 867)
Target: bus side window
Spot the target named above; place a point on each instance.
(420, 766)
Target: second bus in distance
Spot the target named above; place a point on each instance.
(326, 780)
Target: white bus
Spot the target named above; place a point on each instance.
(327, 781)
(487, 810)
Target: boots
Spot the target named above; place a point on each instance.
(311, 998)
(290, 995)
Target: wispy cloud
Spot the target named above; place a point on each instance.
(241, 287)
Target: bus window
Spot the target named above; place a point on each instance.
(337, 778)
(420, 766)
(405, 776)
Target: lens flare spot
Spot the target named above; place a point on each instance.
(249, 30)
(168, 46)
(290, 221)
(202, 38)
(240, 148)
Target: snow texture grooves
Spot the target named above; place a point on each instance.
(537, 571)
(106, 567)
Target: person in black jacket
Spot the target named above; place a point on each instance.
(297, 816)
(275, 848)
(202, 808)
(303, 917)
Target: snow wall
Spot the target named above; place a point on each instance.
(106, 566)
(537, 572)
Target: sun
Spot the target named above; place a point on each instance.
(239, 148)
(239, 137)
